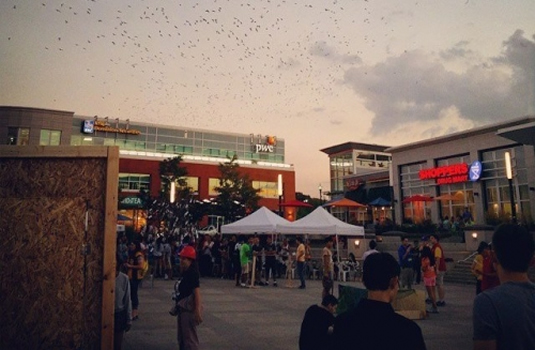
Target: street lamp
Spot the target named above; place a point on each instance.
(279, 192)
(321, 198)
(509, 174)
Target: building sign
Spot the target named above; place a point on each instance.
(268, 146)
(103, 125)
(352, 184)
(88, 127)
(448, 174)
(131, 202)
(476, 169)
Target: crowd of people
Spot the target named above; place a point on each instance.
(500, 267)
(503, 310)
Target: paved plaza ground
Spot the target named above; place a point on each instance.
(270, 318)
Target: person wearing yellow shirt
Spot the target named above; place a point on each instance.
(300, 258)
(477, 265)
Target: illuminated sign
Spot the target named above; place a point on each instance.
(131, 202)
(268, 146)
(88, 127)
(101, 125)
(448, 174)
(476, 168)
(352, 184)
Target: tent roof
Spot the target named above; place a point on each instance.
(320, 222)
(261, 221)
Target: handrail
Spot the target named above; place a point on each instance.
(469, 257)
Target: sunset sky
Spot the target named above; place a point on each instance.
(316, 73)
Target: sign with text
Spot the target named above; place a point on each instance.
(448, 174)
(267, 147)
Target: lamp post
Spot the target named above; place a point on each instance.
(321, 198)
(509, 174)
(279, 192)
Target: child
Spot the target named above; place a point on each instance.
(430, 276)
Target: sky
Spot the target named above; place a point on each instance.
(314, 72)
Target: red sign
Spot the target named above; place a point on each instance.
(352, 184)
(448, 174)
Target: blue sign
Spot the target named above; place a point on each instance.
(476, 168)
(88, 127)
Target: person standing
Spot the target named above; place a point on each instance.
(416, 252)
(188, 299)
(328, 267)
(440, 262)
(317, 325)
(123, 305)
(430, 276)
(373, 323)
(504, 317)
(490, 276)
(236, 262)
(245, 260)
(477, 265)
(270, 253)
(134, 265)
(372, 245)
(405, 261)
(300, 258)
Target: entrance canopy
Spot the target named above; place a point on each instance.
(320, 222)
(261, 221)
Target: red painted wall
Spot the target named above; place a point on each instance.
(206, 171)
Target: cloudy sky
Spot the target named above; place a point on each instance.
(314, 72)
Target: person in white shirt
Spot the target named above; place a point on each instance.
(372, 250)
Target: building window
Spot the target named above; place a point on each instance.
(267, 189)
(212, 184)
(411, 185)
(134, 182)
(496, 185)
(192, 183)
(18, 136)
(461, 195)
(341, 166)
(50, 137)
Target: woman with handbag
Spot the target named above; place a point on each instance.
(188, 301)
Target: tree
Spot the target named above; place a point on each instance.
(237, 197)
(186, 210)
(171, 171)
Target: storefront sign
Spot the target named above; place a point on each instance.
(352, 184)
(90, 126)
(448, 174)
(131, 202)
(268, 146)
(476, 168)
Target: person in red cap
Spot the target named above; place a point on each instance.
(188, 300)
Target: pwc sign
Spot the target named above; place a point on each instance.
(267, 147)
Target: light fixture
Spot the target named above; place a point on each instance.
(509, 175)
(172, 192)
(474, 235)
(508, 169)
(357, 243)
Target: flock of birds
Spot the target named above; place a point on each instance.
(196, 62)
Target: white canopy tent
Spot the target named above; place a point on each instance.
(262, 221)
(321, 222)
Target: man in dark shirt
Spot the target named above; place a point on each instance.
(270, 252)
(316, 329)
(373, 324)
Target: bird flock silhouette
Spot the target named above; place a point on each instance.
(208, 62)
